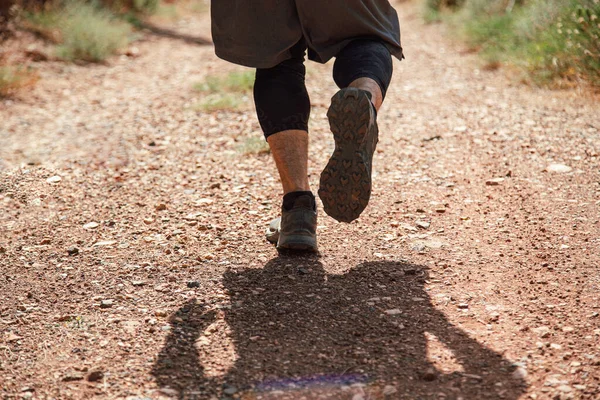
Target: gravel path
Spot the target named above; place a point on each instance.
(134, 264)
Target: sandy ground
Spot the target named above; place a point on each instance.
(134, 264)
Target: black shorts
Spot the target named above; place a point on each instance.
(260, 33)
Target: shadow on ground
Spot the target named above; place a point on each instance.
(300, 333)
(171, 34)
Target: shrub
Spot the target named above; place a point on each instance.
(84, 31)
(90, 33)
(570, 47)
(553, 40)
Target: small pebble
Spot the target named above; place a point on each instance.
(72, 378)
(423, 224)
(389, 389)
(430, 375)
(494, 317)
(54, 179)
(559, 168)
(494, 181)
(95, 376)
(565, 388)
(168, 392)
(90, 225)
(519, 373)
(229, 389)
(106, 303)
(542, 331)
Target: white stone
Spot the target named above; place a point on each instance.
(54, 179)
(559, 168)
(519, 373)
(91, 225)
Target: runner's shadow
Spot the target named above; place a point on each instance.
(299, 332)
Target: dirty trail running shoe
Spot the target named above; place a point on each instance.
(296, 229)
(345, 186)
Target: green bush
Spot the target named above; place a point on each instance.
(570, 48)
(90, 33)
(83, 30)
(553, 40)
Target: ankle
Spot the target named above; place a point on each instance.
(289, 199)
(369, 85)
(290, 188)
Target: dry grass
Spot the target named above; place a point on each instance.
(82, 31)
(254, 145)
(14, 78)
(226, 92)
(220, 102)
(181, 8)
(236, 82)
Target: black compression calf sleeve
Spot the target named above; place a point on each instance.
(364, 58)
(280, 95)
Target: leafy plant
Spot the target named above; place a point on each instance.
(553, 40)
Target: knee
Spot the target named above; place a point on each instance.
(288, 74)
(281, 98)
(364, 58)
